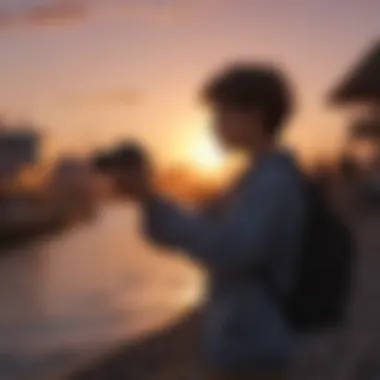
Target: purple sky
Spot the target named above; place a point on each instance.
(93, 71)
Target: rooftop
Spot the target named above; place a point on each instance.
(362, 82)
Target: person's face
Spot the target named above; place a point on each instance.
(236, 129)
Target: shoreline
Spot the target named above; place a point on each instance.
(11, 237)
(24, 232)
(168, 354)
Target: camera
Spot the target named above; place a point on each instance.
(123, 156)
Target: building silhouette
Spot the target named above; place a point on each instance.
(358, 353)
(18, 148)
(360, 87)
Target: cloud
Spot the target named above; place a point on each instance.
(105, 98)
(57, 12)
(50, 13)
(63, 12)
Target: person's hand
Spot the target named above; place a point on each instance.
(135, 183)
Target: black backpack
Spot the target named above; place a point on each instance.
(324, 274)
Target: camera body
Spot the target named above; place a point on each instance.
(121, 157)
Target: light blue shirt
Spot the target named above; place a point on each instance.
(261, 227)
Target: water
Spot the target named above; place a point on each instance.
(70, 297)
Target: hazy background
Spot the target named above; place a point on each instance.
(93, 71)
(76, 278)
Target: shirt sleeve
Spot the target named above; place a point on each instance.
(244, 236)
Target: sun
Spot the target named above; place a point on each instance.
(199, 149)
(207, 156)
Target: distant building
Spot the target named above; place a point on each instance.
(18, 148)
(362, 83)
(358, 353)
(72, 182)
(361, 86)
(71, 173)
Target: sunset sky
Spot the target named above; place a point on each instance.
(92, 71)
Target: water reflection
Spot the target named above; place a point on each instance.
(85, 290)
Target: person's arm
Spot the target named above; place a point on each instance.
(244, 236)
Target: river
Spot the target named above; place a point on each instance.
(73, 296)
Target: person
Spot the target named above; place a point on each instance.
(251, 247)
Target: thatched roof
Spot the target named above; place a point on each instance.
(362, 83)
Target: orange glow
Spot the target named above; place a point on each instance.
(207, 156)
(198, 149)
